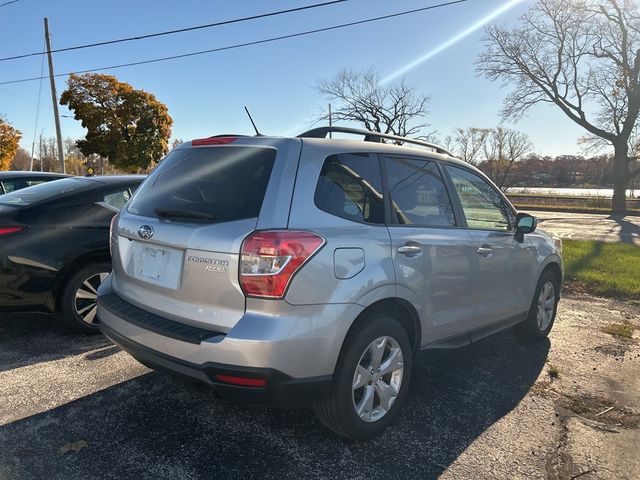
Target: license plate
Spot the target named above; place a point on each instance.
(158, 265)
(152, 262)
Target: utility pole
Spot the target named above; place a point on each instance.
(40, 151)
(330, 123)
(54, 96)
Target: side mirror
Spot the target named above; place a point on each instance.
(525, 223)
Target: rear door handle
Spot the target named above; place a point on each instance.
(410, 249)
(485, 251)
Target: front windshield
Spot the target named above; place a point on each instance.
(30, 195)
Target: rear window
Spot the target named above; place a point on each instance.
(44, 191)
(216, 184)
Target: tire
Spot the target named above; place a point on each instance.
(77, 300)
(542, 313)
(338, 411)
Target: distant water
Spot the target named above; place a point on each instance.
(595, 192)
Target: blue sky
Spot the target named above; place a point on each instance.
(434, 51)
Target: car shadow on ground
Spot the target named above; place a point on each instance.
(152, 426)
(30, 338)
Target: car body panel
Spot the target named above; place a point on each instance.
(505, 279)
(443, 278)
(270, 334)
(61, 234)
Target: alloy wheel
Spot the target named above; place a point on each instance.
(86, 298)
(546, 305)
(377, 379)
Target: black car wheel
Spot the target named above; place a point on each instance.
(542, 312)
(370, 381)
(77, 306)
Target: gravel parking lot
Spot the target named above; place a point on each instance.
(77, 407)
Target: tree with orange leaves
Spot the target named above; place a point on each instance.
(9, 143)
(130, 127)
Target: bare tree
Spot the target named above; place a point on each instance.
(502, 149)
(361, 98)
(47, 154)
(469, 143)
(582, 56)
(21, 160)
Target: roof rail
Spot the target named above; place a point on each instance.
(369, 136)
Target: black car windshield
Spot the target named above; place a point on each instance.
(45, 191)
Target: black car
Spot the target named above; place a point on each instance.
(12, 181)
(54, 245)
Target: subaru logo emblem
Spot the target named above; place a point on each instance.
(145, 232)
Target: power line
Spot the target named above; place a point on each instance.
(246, 44)
(172, 32)
(8, 3)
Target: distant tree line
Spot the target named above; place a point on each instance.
(560, 171)
(506, 156)
(45, 158)
(509, 159)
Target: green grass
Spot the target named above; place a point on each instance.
(553, 371)
(608, 269)
(624, 330)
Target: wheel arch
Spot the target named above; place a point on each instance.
(554, 267)
(398, 308)
(69, 269)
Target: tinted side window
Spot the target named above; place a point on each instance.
(418, 194)
(219, 184)
(484, 208)
(350, 186)
(76, 211)
(45, 191)
(17, 184)
(117, 199)
(12, 185)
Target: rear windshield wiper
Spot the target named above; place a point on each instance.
(175, 213)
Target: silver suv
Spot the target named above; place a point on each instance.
(312, 269)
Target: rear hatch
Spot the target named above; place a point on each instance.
(176, 246)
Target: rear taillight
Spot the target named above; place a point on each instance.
(212, 141)
(11, 230)
(113, 222)
(270, 259)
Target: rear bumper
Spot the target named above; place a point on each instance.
(280, 389)
(293, 348)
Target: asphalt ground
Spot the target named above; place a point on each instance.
(78, 407)
(587, 226)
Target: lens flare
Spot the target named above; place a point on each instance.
(452, 41)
